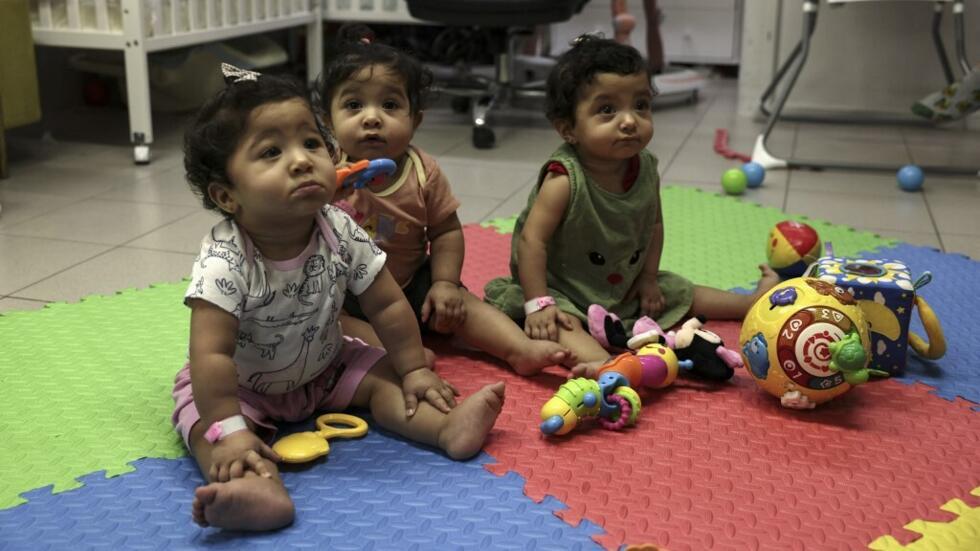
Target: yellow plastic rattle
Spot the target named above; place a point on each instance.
(301, 447)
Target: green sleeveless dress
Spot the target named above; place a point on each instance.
(598, 249)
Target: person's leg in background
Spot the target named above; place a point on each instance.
(655, 45)
(624, 23)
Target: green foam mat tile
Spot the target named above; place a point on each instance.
(718, 241)
(502, 225)
(87, 386)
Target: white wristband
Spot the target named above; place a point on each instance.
(539, 303)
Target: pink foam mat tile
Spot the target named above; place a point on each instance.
(726, 467)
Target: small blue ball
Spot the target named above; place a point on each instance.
(910, 178)
(754, 173)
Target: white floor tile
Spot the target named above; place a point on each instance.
(809, 148)
(118, 269)
(845, 183)
(698, 162)
(876, 133)
(16, 304)
(101, 221)
(181, 236)
(956, 213)
(76, 182)
(475, 208)
(862, 211)
(161, 187)
(494, 179)
(968, 245)
(924, 239)
(512, 205)
(29, 259)
(20, 206)
(964, 187)
(519, 145)
(960, 155)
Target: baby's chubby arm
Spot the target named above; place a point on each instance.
(446, 252)
(646, 287)
(386, 307)
(214, 378)
(546, 214)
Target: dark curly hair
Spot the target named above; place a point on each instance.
(219, 125)
(357, 49)
(577, 68)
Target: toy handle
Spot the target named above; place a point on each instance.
(366, 170)
(936, 347)
(344, 173)
(355, 426)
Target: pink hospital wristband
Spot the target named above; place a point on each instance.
(539, 303)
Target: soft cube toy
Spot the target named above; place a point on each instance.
(886, 293)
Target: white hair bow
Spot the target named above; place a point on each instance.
(233, 74)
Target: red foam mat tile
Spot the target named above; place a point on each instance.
(728, 468)
(487, 257)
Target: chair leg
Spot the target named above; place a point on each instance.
(483, 136)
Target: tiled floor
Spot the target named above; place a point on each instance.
(79, 218)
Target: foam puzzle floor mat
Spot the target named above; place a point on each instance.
(85, 394)
(957, 534)
(953, 295)
(377, 492)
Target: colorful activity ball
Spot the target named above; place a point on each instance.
(804, 340)
(910, 178)
(792, 246)
(754, 174)
(734, 182)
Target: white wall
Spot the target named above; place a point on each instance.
(875, 57)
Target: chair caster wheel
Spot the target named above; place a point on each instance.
(483, 137)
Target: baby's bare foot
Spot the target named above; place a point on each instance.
(468, 424)
(536, 355)
(249, 503)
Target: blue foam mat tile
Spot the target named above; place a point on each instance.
(378, 492)
(954, 294)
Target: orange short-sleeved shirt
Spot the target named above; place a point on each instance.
(397, 217)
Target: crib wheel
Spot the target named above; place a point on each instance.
(141, 151)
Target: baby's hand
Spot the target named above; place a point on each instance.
(652, 301)
(238, 452)
(444, 303)
(425, 384)
(543, 324)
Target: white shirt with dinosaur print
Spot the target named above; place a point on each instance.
(287, 310)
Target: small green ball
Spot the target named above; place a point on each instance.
(734, 181)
